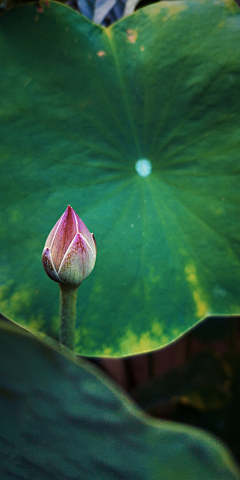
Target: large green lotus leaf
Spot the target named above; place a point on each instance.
(80, 105)
(62, 419)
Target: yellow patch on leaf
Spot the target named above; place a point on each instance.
(202, 308)
(131, 35)
(172, 9)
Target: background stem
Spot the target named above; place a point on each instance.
(68, 306)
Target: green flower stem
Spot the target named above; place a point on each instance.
(68, 308)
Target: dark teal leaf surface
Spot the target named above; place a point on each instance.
(62, 419)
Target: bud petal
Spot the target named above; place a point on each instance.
(61, 236)
(70, 250)
(79, 260)
(49, 266)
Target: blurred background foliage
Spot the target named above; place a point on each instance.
(195, 380)
(102, 12)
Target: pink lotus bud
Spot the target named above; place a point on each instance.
(69, 253)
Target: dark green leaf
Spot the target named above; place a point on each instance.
(61, 419)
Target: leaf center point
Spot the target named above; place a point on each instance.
(143, 167)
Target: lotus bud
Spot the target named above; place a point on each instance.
(69, 253)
